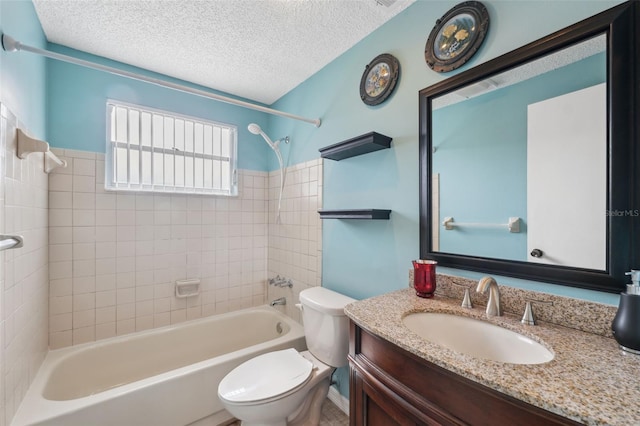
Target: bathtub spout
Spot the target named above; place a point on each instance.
(279, 301)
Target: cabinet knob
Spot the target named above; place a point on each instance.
(536, 253)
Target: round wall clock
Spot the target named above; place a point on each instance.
(379, 79)
(457, 36)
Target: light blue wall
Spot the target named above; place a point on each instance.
(475, 152)
(22, 75)
(367, 258)
(77, 96)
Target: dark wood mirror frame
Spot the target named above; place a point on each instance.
(621, 24)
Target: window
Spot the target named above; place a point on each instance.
(152, 150)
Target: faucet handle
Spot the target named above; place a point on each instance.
(466, 300)
(528, 318)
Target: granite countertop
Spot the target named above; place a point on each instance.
(590, 380)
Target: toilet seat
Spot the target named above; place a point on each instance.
(266, 376)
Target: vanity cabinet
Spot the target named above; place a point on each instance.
(390, 386)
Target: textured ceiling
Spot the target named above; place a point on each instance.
(256, 49)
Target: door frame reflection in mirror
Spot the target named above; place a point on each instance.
(621, 27)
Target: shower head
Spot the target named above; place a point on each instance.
(254, 128)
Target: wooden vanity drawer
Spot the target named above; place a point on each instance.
(383, 374)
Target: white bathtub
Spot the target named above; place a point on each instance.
(166, 376)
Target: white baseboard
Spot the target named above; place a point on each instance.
(341, 402)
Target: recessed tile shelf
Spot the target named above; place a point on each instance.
(359, 145)
(369, 214)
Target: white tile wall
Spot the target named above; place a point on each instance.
(114, 257)
(23, 273)
(295, 244)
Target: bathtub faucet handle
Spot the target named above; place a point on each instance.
(279, 281)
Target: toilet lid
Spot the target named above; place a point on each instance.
(265, 376)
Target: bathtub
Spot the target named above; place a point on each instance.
(166, 376)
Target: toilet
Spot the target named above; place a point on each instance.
(288, 387)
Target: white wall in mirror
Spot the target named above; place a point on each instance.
(567, 169)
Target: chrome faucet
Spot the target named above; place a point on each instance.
(279, 301)
(493, 305)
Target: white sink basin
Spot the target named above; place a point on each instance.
(477, 338)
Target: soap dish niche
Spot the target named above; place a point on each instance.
(187, 288)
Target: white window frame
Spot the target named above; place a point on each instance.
(225, 184)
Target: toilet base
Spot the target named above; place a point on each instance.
(309, 412)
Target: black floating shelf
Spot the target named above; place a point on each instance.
(355, 214)
(363, 144)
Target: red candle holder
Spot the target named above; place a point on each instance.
(424, 277)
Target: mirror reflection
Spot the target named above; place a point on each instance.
(519, 162)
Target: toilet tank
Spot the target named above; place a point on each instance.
(326, 327)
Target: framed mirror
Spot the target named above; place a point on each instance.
(528, 161)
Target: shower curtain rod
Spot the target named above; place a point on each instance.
(9, 44)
